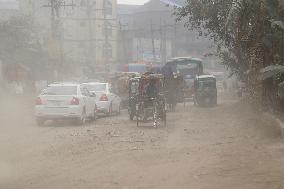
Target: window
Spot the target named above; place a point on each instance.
(82, 24)
(107, 51)
(83, 3)
(96, 87)
(60, 90)
(108, 7)
(107, 28)
(85, 91)
(82, 44)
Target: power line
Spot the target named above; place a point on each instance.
(55, 6)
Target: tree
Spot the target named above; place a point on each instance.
(21, 43)
(17, 34)
(235, 26)
(248, 33)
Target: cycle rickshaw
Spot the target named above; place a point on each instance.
(146, 99)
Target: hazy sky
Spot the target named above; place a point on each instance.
(133, 2)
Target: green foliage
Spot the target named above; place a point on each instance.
(20, 39)
(248, 33)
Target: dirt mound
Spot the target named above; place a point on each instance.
(270, 126)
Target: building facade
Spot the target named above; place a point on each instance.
(8, 9)
(86, 29)
(90, 33)
(150, 33)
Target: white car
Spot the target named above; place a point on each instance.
(107, 102)
(65, 101)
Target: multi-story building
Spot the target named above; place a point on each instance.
(150, 33)
(86, 29)
(90, 32)
(8, 9)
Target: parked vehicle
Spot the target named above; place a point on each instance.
(106, 100)
(62, 101)
(205, 90)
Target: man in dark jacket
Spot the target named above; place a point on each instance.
(151, 90)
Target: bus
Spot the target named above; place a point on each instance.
(187, 68)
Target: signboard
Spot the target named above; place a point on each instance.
(149, 57)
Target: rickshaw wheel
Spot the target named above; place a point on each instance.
(165, 119)
(184, 101)
(131, 116)
(137, 121)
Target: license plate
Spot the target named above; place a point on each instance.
(55, 103)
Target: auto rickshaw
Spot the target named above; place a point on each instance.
(145, 106)
(205, 90)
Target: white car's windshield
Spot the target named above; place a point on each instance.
(60, 90)
(96, 87)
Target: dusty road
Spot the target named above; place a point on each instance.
(217, 148)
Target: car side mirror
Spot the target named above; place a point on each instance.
(93, 94)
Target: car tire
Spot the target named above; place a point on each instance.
(40, 121)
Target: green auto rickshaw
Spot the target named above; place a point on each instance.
(205, 90)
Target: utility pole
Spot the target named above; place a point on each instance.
(106, 43)
(106, 31)
(161, 39)
(91, 17)
(163, 42)
(122, 36)
(56, 34)
(153, 42)
(175, 40)
(55, 6)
